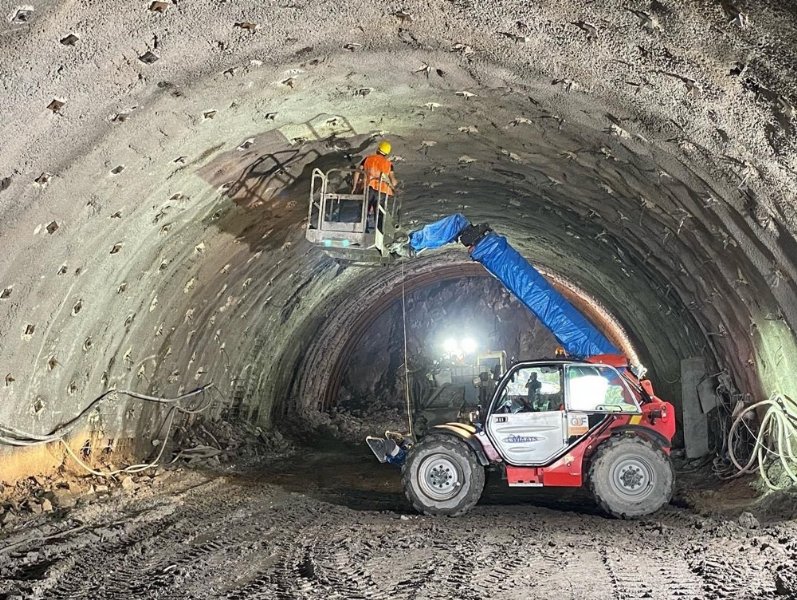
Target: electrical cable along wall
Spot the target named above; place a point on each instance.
(12, 436)
(775, 441)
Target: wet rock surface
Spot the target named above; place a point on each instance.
(336, 525)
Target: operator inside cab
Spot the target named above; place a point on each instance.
(379, 179)
(533, 389)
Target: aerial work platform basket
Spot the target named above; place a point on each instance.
(339, 223)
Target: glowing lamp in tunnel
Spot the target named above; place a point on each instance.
(327, 243)
(344, 243)
(468, 346)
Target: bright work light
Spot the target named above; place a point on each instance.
(468, 345)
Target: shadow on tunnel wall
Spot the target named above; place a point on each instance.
(263, 203)
(267, 173)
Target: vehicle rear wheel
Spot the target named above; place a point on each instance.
(630, 477)
(442, 477)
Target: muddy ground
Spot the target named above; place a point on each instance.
(334, 524)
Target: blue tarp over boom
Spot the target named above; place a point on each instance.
(439, 233)
(577, 335)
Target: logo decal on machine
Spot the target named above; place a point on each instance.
(577, 424)
(520, 439)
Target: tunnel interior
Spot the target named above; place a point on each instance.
(157, 216)
(154, 182)
(476, 312)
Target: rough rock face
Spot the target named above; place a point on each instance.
(475, 307)
(155, 164)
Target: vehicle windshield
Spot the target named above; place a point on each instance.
(598, 388)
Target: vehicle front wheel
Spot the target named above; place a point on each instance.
(442, 477)
(630, 477)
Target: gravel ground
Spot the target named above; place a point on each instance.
(337, 526)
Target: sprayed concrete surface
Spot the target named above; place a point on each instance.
(288, 531)
(155, 160)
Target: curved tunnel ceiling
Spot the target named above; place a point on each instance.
(156, 160)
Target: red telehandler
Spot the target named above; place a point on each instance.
(593, 420)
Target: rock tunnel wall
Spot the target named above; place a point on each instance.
(477, 309)
(155, 160)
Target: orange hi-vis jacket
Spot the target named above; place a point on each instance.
(374, 166)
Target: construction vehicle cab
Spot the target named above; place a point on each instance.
(541, 408)
(338, 221)
(553, 423)
(491, 362)
(456, 387)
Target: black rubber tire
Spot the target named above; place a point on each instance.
(634, 455)
(458, 455)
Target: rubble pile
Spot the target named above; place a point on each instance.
(39, 495)
(205, 444)
(214, 443)
(351, 426)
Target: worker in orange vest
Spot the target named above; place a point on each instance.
(379, 178)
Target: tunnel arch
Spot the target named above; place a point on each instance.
(166, 198)
(354, 314)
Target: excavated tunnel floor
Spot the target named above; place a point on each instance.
(335, 525)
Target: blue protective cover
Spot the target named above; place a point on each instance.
(577, 335)
(439, 233)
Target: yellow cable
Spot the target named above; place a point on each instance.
(132, 468)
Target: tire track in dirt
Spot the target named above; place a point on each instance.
(733, 575)
(345, 569)
(163, 555)
(642, 574)
(496, 565)
(251, 541)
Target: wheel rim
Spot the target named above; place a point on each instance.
(440, 478)
(633, 478)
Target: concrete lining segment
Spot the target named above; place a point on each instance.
(634, 162)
